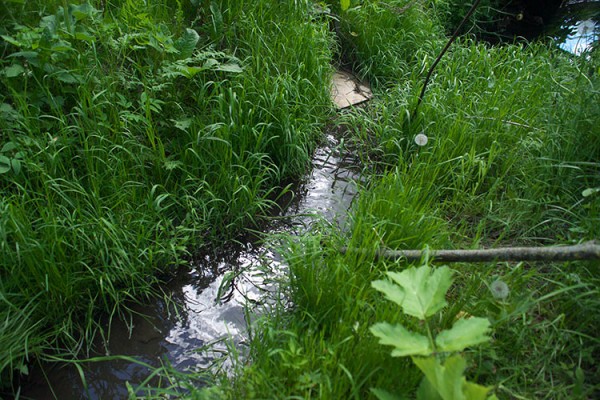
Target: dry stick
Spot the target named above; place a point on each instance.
(444, 50)
(585, 251)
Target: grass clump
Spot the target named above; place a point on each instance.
(133, 132)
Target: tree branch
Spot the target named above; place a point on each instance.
(585, 251)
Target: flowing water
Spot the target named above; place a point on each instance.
(202, 309)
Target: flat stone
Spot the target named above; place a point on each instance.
(347, 91)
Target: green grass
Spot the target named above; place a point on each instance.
(128, 140)
(132, 134)
(513, 144)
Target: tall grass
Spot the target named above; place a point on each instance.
(511, 156)
(132, 133)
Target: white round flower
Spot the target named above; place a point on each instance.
(421, 139)
(499, 289)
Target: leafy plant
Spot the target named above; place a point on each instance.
(421, 294)
(10, 158)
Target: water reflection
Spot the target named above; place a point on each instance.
(584, 34)
(210, 297)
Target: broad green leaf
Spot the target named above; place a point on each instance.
(424, 288)
(405, 342)
(4, 164)
(13, 70)
(464, 333)
(345, 4)
(385, 395)
(187, 43)
(448, 379)
(393, 292)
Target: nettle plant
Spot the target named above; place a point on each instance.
(421, 292)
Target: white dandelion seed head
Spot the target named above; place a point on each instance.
(421, 139)
(499, 289)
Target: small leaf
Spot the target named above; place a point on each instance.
(464, 333)
(405, 342)
(587, 192)
(425, 289)
(24, 369)
(183, 124)
(210, 63)
(84, 35)
(345, 4)
(4, 164)
(171, 165)
(11, 40)
(217, 20)
(82, 11)
(30, 56)
(16, 166)
(13, 70)
(9, 146)
(68, 77)
(229, 68)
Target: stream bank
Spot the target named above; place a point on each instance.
(189, 327)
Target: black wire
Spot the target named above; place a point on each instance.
(439, 57)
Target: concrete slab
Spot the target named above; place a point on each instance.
(347, 91)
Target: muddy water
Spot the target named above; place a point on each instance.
(203, 310)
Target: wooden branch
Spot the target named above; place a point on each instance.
(585, 251)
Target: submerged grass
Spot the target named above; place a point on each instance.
(131, 132)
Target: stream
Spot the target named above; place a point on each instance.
(189, 329)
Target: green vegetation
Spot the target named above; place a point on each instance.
(133, 131)
(512, 158)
